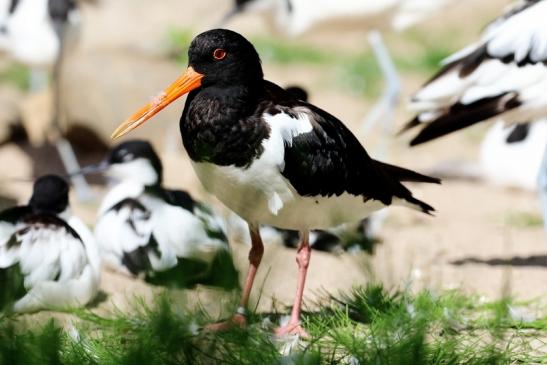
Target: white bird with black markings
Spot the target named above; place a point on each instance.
(162, 235)
(32, 31)
(48, 257)
(503, 75)
(37, 33)
(270, 158)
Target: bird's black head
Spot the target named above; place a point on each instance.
(135, 159)
(50, 195)
(296, 92)
(216, 58)
(224, 58)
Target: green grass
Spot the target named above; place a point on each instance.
(524, 220)
(357, 71)
(368, 326)
(16, 75)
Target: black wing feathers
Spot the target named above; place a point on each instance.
(329, 160)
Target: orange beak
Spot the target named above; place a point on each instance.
(189, 81)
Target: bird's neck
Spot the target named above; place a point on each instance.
(224, 125)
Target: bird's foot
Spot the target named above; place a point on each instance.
(237, 320)
(291, 329)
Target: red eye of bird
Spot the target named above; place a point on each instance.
(219, 54)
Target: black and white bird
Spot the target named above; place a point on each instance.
(503, 75)
(33, 32)
(37, 33)
(161, 235)
(48, 257)
(270, 158)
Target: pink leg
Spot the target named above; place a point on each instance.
(255, 256)
(303, 261)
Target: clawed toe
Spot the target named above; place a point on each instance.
(237, 320)
(291, 329)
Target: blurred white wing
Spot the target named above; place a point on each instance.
(53, 260)
(503, 73)
(411, 12)
(122, 231)
(196, 234)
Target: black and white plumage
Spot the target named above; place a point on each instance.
(48, 257)
(37, 33)
(300, 166)
(503, 75)
(31, 31)
(354, 237)
(162, 235)
(270, 158)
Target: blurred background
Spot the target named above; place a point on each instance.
(485, 238)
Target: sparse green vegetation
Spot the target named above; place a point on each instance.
(368, 326)
(17, 75)
(524, 220)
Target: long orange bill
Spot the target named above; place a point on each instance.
(189, 81)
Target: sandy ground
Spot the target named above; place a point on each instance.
(471, 243)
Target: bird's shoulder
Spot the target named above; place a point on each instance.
(47, 222)
(177, 198)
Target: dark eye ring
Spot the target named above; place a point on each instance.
(219, 54)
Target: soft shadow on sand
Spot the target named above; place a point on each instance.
(534, 260)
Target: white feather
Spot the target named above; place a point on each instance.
(30, 37)
(513, 164)
(58, 268)
(178, 232)
(522, 34)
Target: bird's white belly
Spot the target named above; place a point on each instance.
(262, 195)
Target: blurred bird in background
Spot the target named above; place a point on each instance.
(503, 75)
(37, 33)
(161, 235)
(48, 257)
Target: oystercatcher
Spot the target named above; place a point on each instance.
(48, 257)
(162, 235)
(504, 75)
(270, 158)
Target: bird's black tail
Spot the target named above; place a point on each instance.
(403, 195)
(405, 175)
